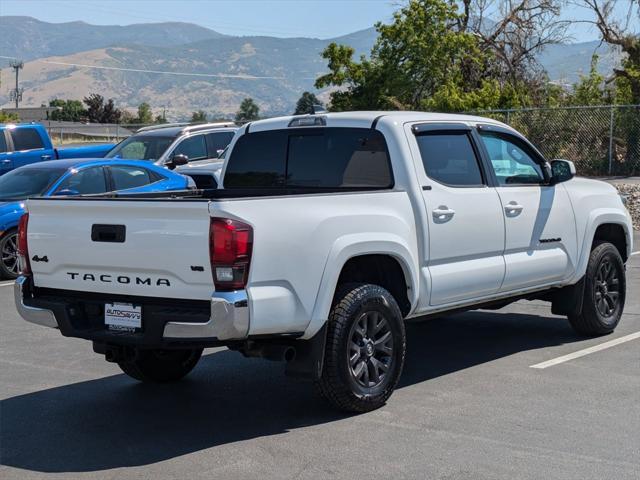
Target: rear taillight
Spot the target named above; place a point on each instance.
(230, 245)
(23, 247)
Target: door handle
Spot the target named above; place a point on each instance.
(513, 208)
(45, 157)
(443, 213)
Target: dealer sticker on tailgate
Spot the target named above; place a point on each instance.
(122, 316)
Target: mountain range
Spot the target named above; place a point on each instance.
(273, 71)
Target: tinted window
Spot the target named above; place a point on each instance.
(3, 142)
(26, 182)
(129, 177)
(322, 158)
(511, 160)
(194, 148)
(149, 147)
(85, 182)
(338, 157)
(218, 141)
(26, 139)
(449, 158)
(258, 160)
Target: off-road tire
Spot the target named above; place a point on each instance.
(592, 321)
(160, 366)
(338, 383)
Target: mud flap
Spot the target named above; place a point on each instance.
(568, 300)
(309, 359)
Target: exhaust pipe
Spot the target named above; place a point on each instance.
(275, 353)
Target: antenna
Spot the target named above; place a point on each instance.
(16, 93)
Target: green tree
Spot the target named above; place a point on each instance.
(145, 115)
(198, 117)
(248, 111)
(70, 110)
(590, 89)
(8, 117)
(415, 56)
(435, 55)
(306, 103)
(99, 111)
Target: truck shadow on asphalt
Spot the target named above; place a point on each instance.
(114, 422)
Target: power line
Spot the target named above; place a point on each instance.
(165, 72)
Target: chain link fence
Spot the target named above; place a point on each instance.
(601, 141)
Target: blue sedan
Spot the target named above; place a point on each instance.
(72, 177)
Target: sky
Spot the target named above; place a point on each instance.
(280, 18)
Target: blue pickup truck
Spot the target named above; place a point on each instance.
(25, 143)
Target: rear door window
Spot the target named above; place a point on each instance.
(217, 141)
(328, 158)
(449, 158)
(193, 147)
(26, 139)
(125, 177)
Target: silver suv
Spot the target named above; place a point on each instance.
(172, 145)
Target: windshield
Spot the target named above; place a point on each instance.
(141, 147)
(24, 183)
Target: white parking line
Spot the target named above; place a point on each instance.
(7, 284)
(587, 351)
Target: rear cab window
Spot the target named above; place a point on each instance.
(314, 158)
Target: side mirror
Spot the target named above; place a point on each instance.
(66, 192)
(562, 171)
(177, 161)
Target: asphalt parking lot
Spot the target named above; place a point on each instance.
(469, 406)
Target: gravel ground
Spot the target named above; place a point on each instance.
(632, 192)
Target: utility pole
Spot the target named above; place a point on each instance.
(16, 93)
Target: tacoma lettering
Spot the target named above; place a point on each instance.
(122, 279)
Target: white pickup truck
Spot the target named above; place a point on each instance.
(329, 231)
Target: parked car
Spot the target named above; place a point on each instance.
(174, 145)
(329, 232)
(72, 177)
(26, 143)
(205, 173)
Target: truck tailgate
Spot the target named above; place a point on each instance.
(149, 248)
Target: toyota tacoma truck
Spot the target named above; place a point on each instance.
(26, 143)
(327, 234)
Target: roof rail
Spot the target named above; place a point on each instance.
(162, 125)
(205, 126)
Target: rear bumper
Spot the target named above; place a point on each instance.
(39, 316)
(165, 322)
